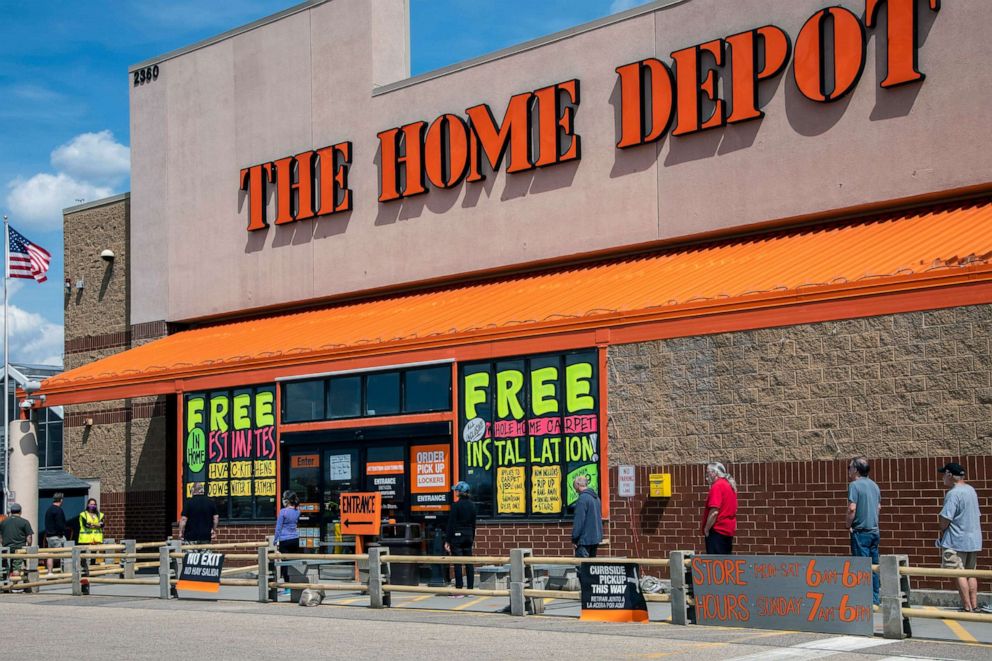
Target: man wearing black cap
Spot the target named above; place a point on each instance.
(960, 537)
(16, 533)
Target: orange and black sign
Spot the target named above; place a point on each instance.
(201, 571)
(361, 513)
(611, 592)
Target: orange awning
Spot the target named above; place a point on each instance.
(911, 249)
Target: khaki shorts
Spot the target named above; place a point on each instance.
(56, 542)
(951, 559)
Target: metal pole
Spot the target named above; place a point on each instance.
(6, 370)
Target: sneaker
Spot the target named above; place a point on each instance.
(285, 592)
(987, 608)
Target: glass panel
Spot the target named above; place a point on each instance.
(42, 445)
(304, 400)
(304, 479)
(345, 397)
(382, 393)
(427, 389)
(476, 403)
(55, 444)
(340, 476)
(385, 473)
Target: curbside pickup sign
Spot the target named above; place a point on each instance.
(823, 594)
(201, 571)
(611, 592)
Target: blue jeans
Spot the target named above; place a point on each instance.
(865, 545)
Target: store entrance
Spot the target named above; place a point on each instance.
(320, 466)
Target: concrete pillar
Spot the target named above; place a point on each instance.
(518, 581)
(377, 597)
(31, 567)
(128, 563)
(77, 571)
(680, 587)
(24, 468)
(164, 572)
(263, 575)
(893, 593)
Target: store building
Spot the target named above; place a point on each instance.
(683, 233)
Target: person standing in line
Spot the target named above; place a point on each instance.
(720, 512)
(199, 519)
(960, 537)
(864, 501)
(587, 526)
(55, 527)
(90, 531)
(460, 534)
(16, 533)
(287, 533)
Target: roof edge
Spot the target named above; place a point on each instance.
(97, 203)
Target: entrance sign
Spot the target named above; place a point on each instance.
(361, 513)
(826, 594)
(626, 484)
(201, 571)
(611, 592)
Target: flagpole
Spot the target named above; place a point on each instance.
(6, 369)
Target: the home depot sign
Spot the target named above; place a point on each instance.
(538, 129)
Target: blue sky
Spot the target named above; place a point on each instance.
(64, 102)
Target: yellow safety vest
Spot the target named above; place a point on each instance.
(90, 530)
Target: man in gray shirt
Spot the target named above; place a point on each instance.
(960, 537)
(864, 500)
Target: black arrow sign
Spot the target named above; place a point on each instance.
(352, 522)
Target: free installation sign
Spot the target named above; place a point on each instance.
(801, 593)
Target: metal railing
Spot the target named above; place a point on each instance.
(118, 564)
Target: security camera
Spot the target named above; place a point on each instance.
(107, 255)
(26, 403)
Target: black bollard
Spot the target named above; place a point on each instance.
(439, 573)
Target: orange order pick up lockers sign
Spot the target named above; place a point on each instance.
(430, 471)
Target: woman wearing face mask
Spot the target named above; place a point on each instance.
(91, 524)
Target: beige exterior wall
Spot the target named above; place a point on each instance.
(307, 80)
(898, 386)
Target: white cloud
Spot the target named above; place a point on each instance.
(88, 167)
(623, 5)
(34, 339)
(39, 200)
(95, 158)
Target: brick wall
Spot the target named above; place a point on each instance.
(139, 515)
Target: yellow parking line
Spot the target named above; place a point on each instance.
(956, 628)
(414, 599)
(473, 602)
(353, 600)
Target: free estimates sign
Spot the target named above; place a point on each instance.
(430, 468)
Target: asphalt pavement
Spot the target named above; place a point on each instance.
(129, 622)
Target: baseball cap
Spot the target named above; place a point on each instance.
(15, 508)
(953, 469)
(461, 487)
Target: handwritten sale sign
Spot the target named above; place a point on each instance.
(802, 593)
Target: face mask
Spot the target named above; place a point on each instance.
(92, 508)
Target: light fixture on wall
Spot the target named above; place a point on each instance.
(107, 255)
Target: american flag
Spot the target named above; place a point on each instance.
(27, 260)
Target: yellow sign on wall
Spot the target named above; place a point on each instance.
(661, 485)
(510, 490)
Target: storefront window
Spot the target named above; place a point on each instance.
(529, 427)
(427, 389)
(304, 401)
(344, 397)
(382, 393)
(229, 446)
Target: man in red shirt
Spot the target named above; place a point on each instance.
(720, 513)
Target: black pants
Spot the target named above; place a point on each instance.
(463, 547)
(717, 544)
(586, 550)
(288, 546)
